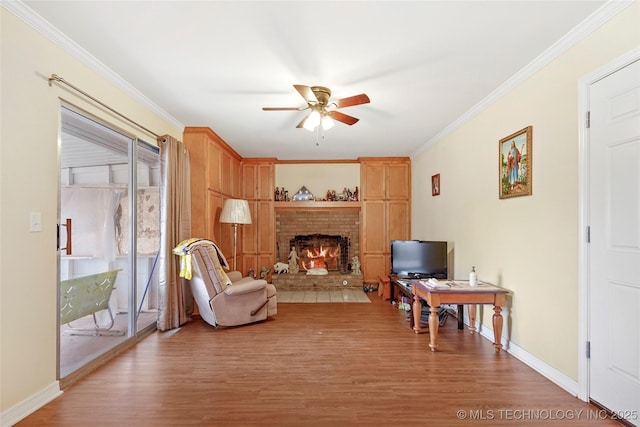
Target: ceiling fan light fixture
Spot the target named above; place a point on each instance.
(312, 121)
(327, 122)
(323, 112)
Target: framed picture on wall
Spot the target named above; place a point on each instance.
(515, 164)
(435, 185)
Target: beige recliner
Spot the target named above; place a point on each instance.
(227, 299)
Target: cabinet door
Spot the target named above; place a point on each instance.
(398, 181)
(265, 228)
(374, 229)
(265, 181)
(373, 179)
(249, 239)
(373, 266)
(249, 184)
(399, 221)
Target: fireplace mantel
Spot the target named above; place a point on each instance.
(308, 206)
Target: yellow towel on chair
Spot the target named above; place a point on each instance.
(183, 250)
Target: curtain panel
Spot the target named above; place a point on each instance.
(175, 301)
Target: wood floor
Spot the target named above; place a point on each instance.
(315, 365)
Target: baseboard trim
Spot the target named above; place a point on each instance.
(562, 380)
(23, 409)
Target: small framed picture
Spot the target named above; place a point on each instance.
(515, 164)
(435, 185)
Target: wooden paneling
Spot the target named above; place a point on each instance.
(398, 181)
(373, 181)
(386, 210)
(197, 147)
(376, 267)
(265, 181)
(249, 181)
(226, 169)
(214, 166)
(265, 232)
(219, 173)
(214, 227)
(399, 221)
(249, 241)
(375, 227)
(259, 237)
(236, 179)
(212, 176)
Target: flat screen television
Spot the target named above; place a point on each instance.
(419, 259)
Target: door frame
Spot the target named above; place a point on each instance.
(583, 208)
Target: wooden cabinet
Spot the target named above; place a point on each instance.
(219, 173)
(386, 212)
(215, 177)
(258, 238)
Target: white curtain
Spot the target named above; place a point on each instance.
(175, 302)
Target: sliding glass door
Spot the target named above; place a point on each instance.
(108, 239)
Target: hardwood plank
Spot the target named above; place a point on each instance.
(315, 364)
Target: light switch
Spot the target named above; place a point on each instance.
(35, 220)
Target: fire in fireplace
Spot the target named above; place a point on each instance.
(322, 251)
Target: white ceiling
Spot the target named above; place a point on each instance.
(425, 64)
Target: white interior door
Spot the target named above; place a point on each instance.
(614, 249)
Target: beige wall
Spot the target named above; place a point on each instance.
(29, 176)
(526, 244)
(317, 177)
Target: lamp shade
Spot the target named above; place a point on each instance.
(235, 211)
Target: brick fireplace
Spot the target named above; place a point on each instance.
(322, 251)
(334, 232)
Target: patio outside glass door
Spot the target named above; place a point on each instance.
(109, 239)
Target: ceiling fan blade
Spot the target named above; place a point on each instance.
(352, 100)
(301, 124)
(344, 118)
(306, 93)
(284, 108)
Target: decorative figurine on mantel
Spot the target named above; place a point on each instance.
(264, 273)
(293, 261)
(355, 266)
(281, 195)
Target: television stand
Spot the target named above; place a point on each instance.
(393, 281)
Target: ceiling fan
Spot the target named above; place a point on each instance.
(323, 111)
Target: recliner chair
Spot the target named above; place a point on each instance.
(226, 299)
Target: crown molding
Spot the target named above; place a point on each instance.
(582, 30)
(38, 23)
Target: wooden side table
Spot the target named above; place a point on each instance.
(459, 293)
